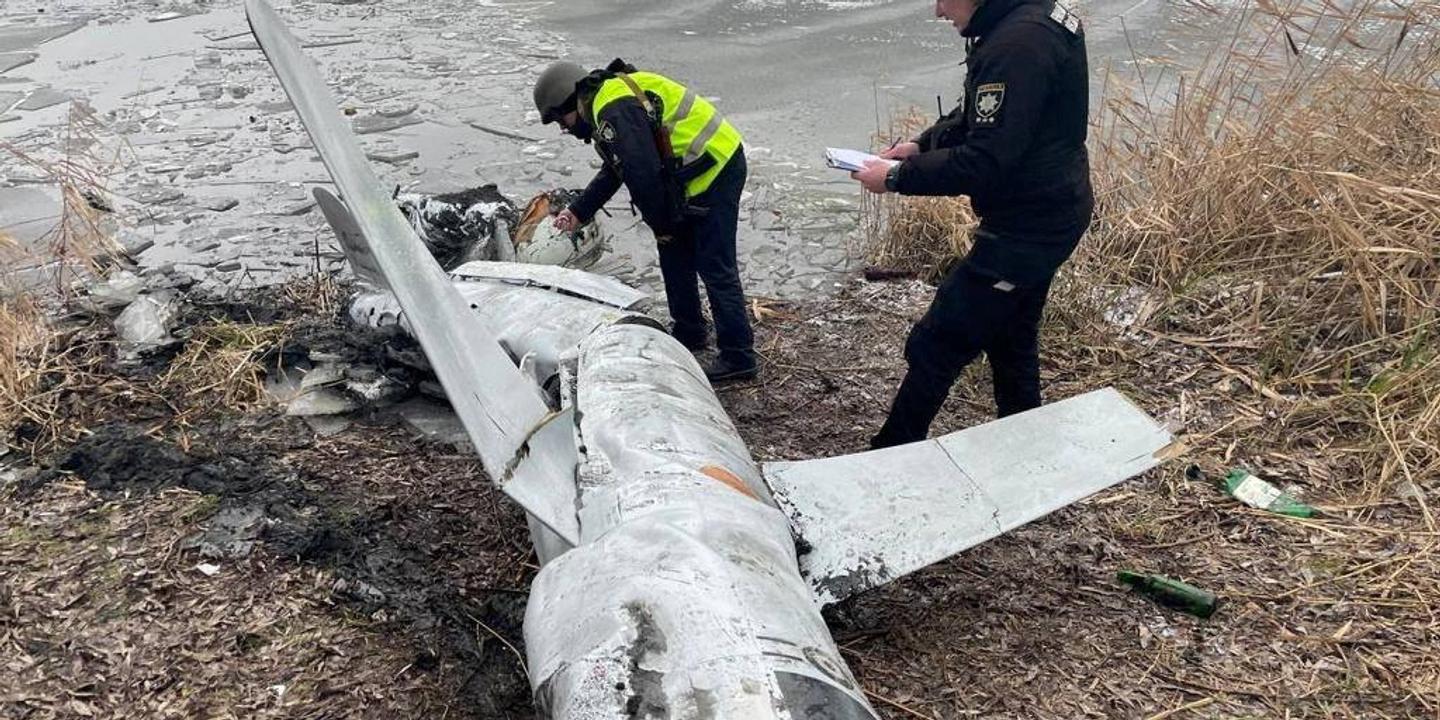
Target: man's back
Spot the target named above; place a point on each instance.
(1049, 183)
(1017, 143)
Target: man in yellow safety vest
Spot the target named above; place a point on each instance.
(685, 169)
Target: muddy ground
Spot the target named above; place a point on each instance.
(185, 559)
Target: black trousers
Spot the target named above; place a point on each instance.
(705, 247)
(969, 315)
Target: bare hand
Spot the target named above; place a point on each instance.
(873, 176)
(567, 221)
(901, 151)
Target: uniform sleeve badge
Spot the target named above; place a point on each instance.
(1066, 18)
(988, 99)
(607, 132)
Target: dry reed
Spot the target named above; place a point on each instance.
(221, 365)
(44, 367)
(23, 335)
(1296, 210)
(79, 243)
(53, 379)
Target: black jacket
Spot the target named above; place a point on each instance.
(1016, 143)
(625, 138)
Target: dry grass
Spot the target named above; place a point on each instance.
(318, 292)
(42, 366)
(55, 379)
(58, 382)
(1292, 213)
(23, 349)
(78, 243)
(222, 363)
(223, 360)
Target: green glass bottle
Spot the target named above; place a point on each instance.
(1172, 594)
(1257, 493)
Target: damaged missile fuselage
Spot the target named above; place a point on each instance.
(682, 597)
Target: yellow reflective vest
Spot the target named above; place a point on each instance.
(695, 127)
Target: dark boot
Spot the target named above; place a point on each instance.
(729, 369)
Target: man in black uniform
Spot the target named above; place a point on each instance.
(1016, 146)
(685, 169)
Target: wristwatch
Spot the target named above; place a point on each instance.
(892, 178)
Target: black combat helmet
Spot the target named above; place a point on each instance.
(555, 90)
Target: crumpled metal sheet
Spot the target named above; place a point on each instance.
(871, 517)
(684, 599)
(600, 288)
(655, 621)
(499, 408)
(536, 326)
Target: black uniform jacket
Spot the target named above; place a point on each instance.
(625, 139)
(1016, 143)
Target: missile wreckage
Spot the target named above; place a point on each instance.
(680, 578)
(482, 224)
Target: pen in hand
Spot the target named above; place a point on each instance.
(894, 144)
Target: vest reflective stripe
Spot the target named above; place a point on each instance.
(707, 133)
(696, 127)
(687, 104)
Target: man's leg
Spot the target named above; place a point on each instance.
(717, 265)
(1015, 354)
(967, 311)
(933, 369)
(682, 291)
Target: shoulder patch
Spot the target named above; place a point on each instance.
(988, 100)
(606, 132)
(1067, 19)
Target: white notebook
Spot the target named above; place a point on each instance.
(850, 160)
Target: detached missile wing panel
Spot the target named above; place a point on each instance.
(868, 518)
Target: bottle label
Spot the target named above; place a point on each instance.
(1256, 492)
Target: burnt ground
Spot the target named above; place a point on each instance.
(189, 560)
